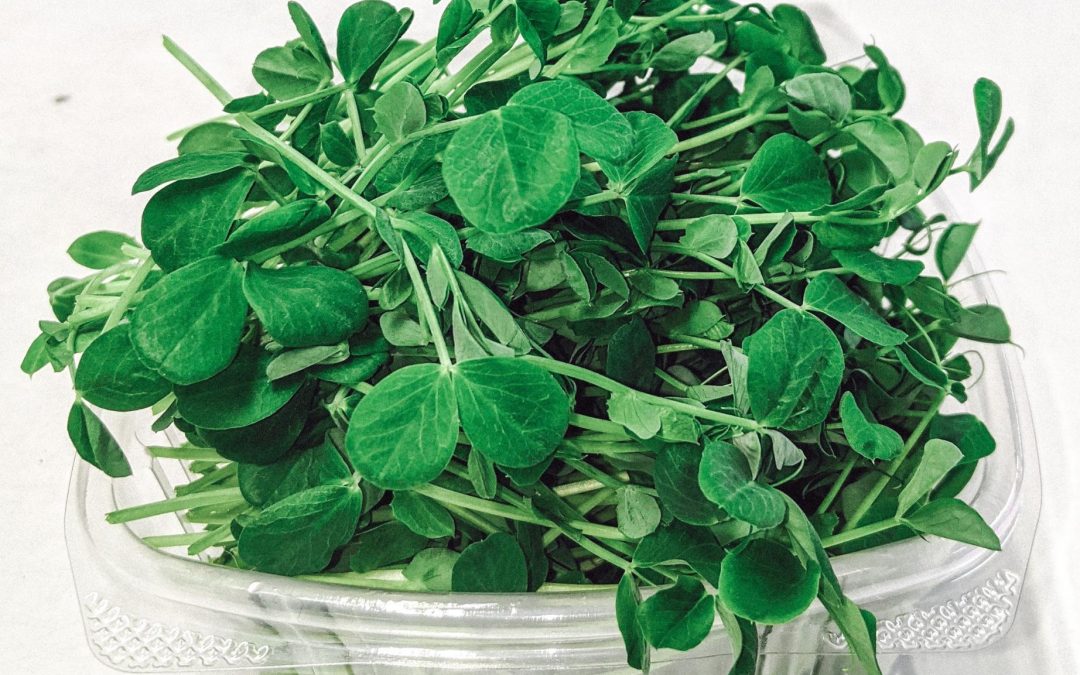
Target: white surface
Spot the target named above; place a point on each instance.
(65, 168)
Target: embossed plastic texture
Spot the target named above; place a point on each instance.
(147, 610)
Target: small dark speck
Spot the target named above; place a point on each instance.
(61, 98)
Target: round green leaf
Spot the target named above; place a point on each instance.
(98, 250)
(267, 440)
(94, 443)
(786, 174)
(678, 617)
(188, 326)
(676, 478)
(601, 130)
(403, 432)
(513, 412)
(365, 34)
(306, 306)
(494, 565)
(299, 534)
(512, 168)
(239, 396)
(636, 512)
(263, 484)
(111, 376)
(766, 583)
(725, 479)
(286, 72)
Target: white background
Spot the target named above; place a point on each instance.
(66, 166)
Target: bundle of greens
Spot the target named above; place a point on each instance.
(635, 299)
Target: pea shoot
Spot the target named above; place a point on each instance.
(638, 294)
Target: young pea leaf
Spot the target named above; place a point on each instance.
(287, 72)
(784, 451)
(238, 396)
(37, 355)
(512, 411)
(829, 295)
(677, 617)
(676, 479)
(433, 568)
(988, 113)
(384, 545)
(187, 166)
(99, 250)
(309, 33)
(400, 111)
(494, 565)
(299, 534)
(512, 168)
(965, 431)
(482, 475)
(602, 132)
(111, 376)
(423, 231)
(800, 33)
(454, 34)
(537, 21)
(653, 140)
(631, 355)
(594, 49)
(938, 459)
(885, 142)
(932, 165)
(636, 512)
(423, 515)
(366, 33)
(627, 602)
(267, 440)
(696, 546)
(795, 364)
(403, 432)
(953, 519)
(826, 92)
(683, 52)
(742, 635)
(726, 480)
(186, 220)
(274, 228)
(647, 198)
(921, 368)
(747, 270)
(872, 267)
(872, 441)
(713, 235)
(306, 306)
(263, 484)
(188, 325)
(982, 323)
(953, 246)
(94, 443)
(765, 582)
(786, 174)
(336, 144)
(639, 417)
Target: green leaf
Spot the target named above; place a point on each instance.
(627, 602)
(676, 479)
(285, 72)
(826, 92)
(726, 480)
(829, 295)
(98, 250)
(94, 443)
(631, 355)
(185, 221)
(263, 484)
(965, 431)
(794, 370)
(648, 197)
(683, 52)
(653, 140)
(400, 111)
(512, 411)
(982, 323)
(872, 267)
(299, 534)
(872, 441)
(537, 21)
(423, 231)
(188, 326)
(384, 545)
(885, 142)
(765, 582)
(636, 512)
(639, 417)
(292, 361)
(454, 35)
(365, 35)
(306, 306)
(930, 374)
(336, 144)
(801, 35)
(988, 113)
(37, 355)
(482, 475)
(786, 174)
(187, 166)
(695, 546)
(238, 396)
(267, 440)
(423, 515)
(111, 376)
(512, 168)
(713, 235)
(494, 565)
(743, 637)
(403, 432)
(938, 459)
(274, 228)
(953, 519)
(433, 568)
(677, 617)
(309, 33)
(601, 130)
(952, 247)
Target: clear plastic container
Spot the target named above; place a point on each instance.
(149, 610)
